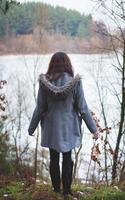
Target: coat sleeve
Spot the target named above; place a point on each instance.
(40, 109)
(83, 108)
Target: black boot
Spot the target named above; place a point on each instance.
(55, 170)
(67, 169)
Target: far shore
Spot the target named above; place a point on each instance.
(29, 45)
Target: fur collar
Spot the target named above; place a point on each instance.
(58, 92)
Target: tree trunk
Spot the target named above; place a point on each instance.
(122, 118)
(36, 153)
(76, 161)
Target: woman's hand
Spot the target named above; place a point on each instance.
(31, 134)
(96, 136)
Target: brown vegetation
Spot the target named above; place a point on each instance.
(48, 43)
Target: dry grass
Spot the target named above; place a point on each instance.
(49, 43)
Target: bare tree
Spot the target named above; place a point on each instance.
(33, 81)
(115, 10)
(42, 25)
(102, 96)
(16, 121)
(33, 84)
(77, 154)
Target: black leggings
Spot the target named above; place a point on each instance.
(67, 168)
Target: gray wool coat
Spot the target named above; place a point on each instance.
(60, 108)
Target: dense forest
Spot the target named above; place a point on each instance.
(31, 26)
(24, 18)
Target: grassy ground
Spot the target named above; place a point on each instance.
(20, 191)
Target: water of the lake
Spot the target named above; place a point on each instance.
(95, 69)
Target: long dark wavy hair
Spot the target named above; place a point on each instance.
(59, 63)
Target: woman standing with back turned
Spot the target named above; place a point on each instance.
(60, 108)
